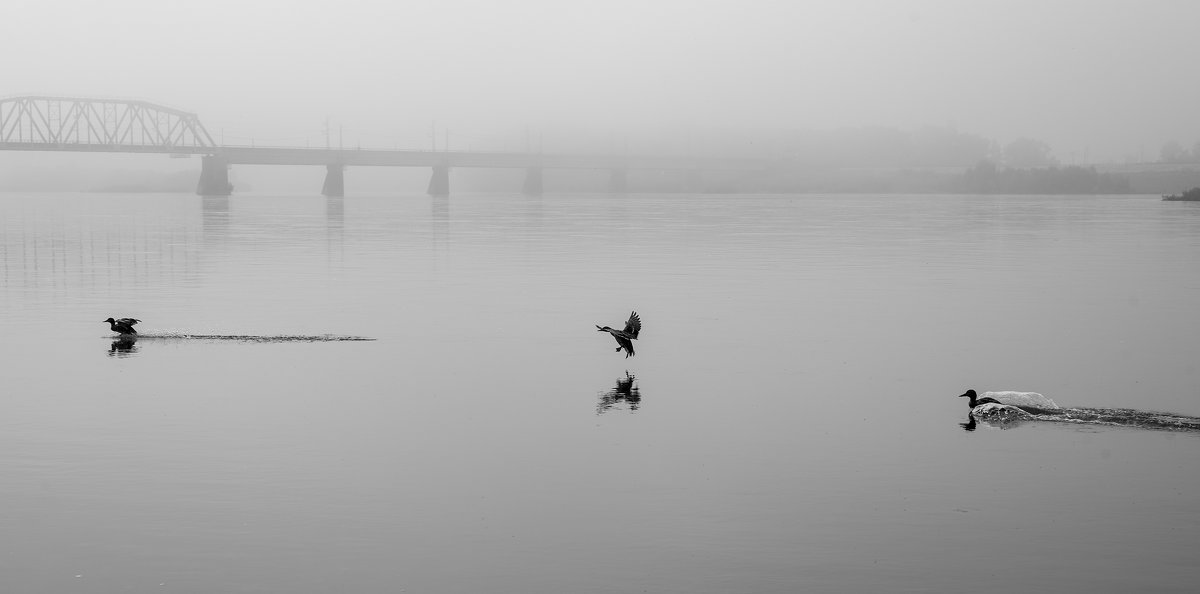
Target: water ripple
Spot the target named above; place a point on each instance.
(257, 337)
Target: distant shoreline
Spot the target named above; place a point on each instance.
(983, 179)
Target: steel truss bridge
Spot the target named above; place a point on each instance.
(44, 123)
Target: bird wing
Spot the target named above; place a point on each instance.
(128, 321)
(634, 325)
(626, 344)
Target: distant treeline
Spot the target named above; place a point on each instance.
(885, 147)
(986, 178)
(983, 178)
(1173, 152)
(871, 147)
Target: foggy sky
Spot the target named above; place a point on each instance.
(1106, 78)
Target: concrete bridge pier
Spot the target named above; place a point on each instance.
(533, 181)
(439, 184)
(618, 181)
(335, 182)
(214, 177)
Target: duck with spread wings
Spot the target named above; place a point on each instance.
(625, 337)
(123, 326)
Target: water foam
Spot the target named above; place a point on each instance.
(173, 335)
(1031, 399)
(1006, 416)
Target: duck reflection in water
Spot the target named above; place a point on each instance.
(1001, 422)
(125, 346)
(970, 424)
(626, 391)
(1000, 419)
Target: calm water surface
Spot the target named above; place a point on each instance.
(792, 423)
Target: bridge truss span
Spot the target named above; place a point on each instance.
(48, 123)
(67, 123)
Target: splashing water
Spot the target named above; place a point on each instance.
(1031, 399)
(171, 335)
(1004, 416)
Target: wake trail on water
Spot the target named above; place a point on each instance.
(1006, 416)
(172, 335)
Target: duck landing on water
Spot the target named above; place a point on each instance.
(123, 326)
(625, 337)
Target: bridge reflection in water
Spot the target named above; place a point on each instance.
(46, 123)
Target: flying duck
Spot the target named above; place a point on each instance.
(625, 337)
(122, 325)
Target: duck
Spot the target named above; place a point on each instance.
(122, 325)
(974, 400)
(625, 337)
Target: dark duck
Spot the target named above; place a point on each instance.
(625, 337)
(122, 326)
(974, 400)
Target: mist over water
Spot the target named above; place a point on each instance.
(1097, 82)
(790, 420)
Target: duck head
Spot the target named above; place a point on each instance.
(971, 396)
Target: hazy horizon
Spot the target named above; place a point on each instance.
(1097, 82)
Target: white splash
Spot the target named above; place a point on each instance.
(1013, 398)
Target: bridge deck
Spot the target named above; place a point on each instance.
(246, 155)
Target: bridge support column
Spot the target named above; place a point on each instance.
(439, 184)
(214, 177)
(335, 182)
(618, 181)
(533, 181)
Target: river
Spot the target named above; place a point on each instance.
(789, 423)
